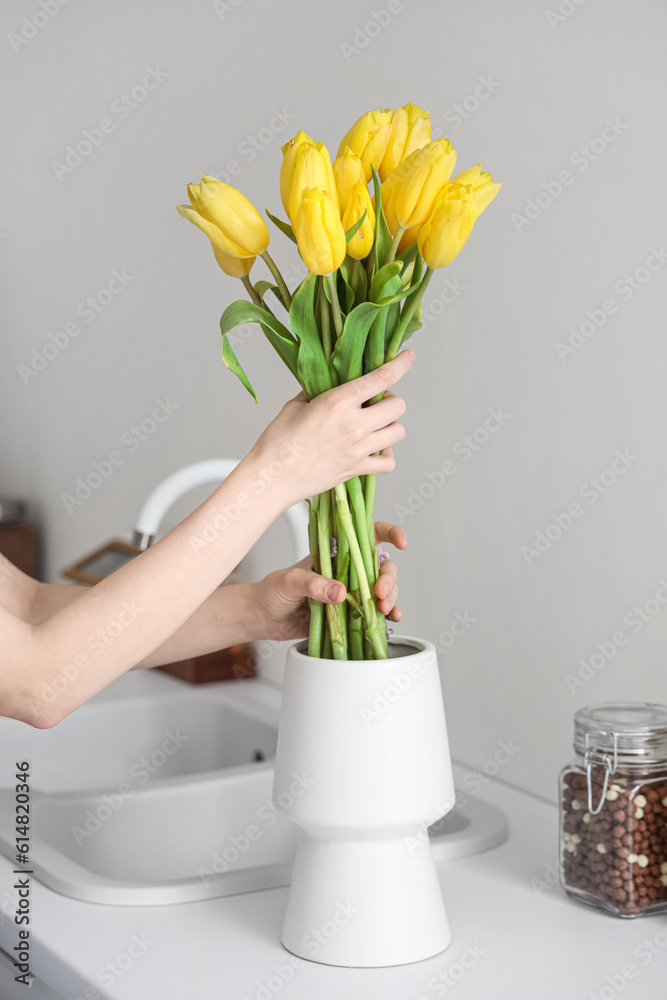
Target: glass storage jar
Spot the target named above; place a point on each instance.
(613, 809)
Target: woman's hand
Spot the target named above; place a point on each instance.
(280, 600)
(312, 446)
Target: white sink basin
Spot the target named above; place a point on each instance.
(169, 843)
(158, 792)
(137, 741)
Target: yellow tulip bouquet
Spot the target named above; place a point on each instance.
(369, 261)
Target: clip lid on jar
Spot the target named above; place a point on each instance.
(613, 809)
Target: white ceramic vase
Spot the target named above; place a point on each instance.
(368, 740)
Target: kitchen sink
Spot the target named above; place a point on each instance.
(158, 792)
(168, 843)
(137, 741)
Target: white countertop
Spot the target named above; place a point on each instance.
(518, 943)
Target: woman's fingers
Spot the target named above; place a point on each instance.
(386, 437)
(376, 464)
(364, 388)
(383, 413)
(390, 533)
(302, 582)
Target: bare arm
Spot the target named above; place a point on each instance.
(49, 669)
(273, 608)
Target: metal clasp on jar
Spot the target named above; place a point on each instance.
(596, 758)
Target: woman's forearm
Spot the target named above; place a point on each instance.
(227, 617)
(123, 620)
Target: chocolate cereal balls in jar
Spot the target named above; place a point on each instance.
(613, 809)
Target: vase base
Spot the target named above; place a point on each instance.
(365, 904)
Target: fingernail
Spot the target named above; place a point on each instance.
(333, 592)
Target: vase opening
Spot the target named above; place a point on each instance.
(397, 649)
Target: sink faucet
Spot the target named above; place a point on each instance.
(212, 470)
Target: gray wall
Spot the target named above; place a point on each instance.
(537, 85)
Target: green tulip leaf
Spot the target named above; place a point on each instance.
(262, 287)
(284, 227)
(414, 324)
(353, 229)
(385, 283)
(312, 369)
(279, 336)
(374, 353)
(354, 276)
(232, 362)
(416, 279)
(349, 294)
(393, 315)
(382, 234)
(348, 353)
(408, 255)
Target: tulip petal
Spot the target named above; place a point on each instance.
(216, 237)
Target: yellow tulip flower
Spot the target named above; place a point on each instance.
(481, 182)
(235, 267)
(347, 170)
(449, 226)
(231, 222)
(410, 130)
(359, 201)
(407, 239)
(410, 192)
(319, 232)
(289, 151)
(353, 197)
(310, 168)
(368, 138)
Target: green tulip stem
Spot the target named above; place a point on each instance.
(407, 314)
(356, 621)
(326, 323)
(370, 265)
(370, 503)
(250, 289)
(280, 281)
(367, 602)
(394, 244)
(334, 612)
(335, 305)
(356, 495)
(316, 607)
